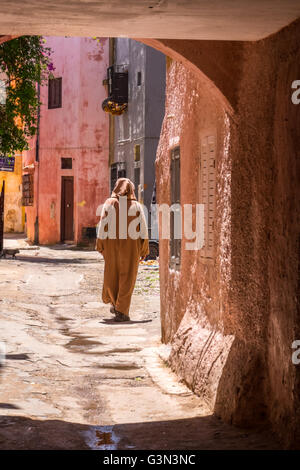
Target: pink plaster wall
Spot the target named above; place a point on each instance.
(195, 298)
(231, 322)
(78, 130)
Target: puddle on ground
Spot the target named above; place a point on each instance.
(118, 366)
(81, 343)
(78, 343)
(108, 352)
(101, 438)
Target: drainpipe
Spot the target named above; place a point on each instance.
(37, 159)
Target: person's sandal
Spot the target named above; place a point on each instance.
(112, 309)
(120, 317)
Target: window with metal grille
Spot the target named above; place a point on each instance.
(175, 244)
(66, 163)
(113, 176)
(122, 173)
(55, 93)
(137, 177)
(117, 170)
(27, 190)
(137, 153)
(207, 192)
(139, 78)
(117, 77)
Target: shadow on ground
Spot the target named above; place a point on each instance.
(111, 321)
(17, 357)
(21, 433)
(9, 406)
(205, 432)
(202, 433)
(38, 259)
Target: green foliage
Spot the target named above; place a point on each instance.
(24, 63)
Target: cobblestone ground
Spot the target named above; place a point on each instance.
(73, 379)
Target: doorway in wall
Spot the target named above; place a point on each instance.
(67, 208)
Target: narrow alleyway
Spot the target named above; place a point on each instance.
(75, 380)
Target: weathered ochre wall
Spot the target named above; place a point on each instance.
(13, 211)
(232, 321)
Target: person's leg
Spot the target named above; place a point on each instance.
(111, 273)
(128, 268)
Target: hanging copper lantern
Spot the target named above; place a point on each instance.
(112, 107)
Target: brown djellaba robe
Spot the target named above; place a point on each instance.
(121, 258)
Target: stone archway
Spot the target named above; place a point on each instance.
(252, 379)
(220, 62)
(251, 293)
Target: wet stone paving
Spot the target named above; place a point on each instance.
(74, 379)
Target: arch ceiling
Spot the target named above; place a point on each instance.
(242, 20)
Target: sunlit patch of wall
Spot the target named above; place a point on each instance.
(13, 210)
